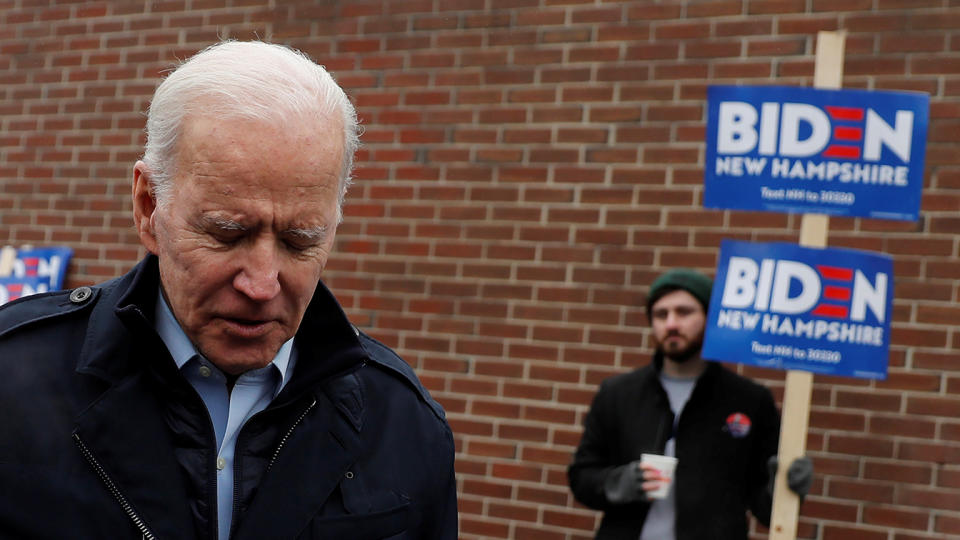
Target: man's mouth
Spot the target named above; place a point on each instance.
(674, 341)
(246, 328)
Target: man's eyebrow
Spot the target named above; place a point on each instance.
(222, 223)
(306, 234)
(309, 234)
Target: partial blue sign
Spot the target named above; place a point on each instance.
(35, 270)
(12, 288)
(810, 150)
(785, 306)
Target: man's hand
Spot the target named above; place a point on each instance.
(799, 475)
(631, 482)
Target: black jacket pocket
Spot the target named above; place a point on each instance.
(390, 523)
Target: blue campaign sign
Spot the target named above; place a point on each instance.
(785, 306)
(35, 270)
(809, 150)
(12, 288)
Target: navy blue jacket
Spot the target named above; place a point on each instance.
(101, 437)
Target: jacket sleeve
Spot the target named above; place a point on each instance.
(593, 460)
(439, 514)
(767, 443)
(445, 511)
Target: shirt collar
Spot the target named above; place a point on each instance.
(182, 349)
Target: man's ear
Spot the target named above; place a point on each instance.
(144, 206)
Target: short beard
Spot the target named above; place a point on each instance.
(685, 354)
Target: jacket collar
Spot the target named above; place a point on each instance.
(709, 373)
(119, 315)
(122, 321)
(327, 344)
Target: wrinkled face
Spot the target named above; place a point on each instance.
(678, 322)
(246, 233)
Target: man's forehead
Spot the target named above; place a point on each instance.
(236, 136)
(235, 156)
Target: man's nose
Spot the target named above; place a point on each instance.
(258, 278)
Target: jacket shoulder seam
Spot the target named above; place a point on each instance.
(385, 357)
(50, 312)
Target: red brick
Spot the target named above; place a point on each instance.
(947, 525)
(929, 498)
(916, 336)
(681, 30)
(948, 476)
(929, 452)
(864, 446)
(764, 7)
(597, 15)
(905, 427)
(715, 8)
(683, 70)
(653, 51)
(712, 49)
(632, 32)
(531, 17)
(647, 11)
(625, 72)
(839, 532)
(569, 520)
(741, 70)
(484, 528)
(898, 471)
(859, 490)
(570, 216)
(566, 35)
(528, 391)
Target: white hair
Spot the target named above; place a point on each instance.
(243, 79)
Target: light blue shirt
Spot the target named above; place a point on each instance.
(229, 411)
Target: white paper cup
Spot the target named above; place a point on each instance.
(666, 466)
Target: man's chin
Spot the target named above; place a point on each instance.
(680, 356)
(238, 360)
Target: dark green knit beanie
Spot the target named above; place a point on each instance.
(691, 281)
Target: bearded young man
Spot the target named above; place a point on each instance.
(722, 428)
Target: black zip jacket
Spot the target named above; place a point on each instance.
(721, 471)
(101, 437)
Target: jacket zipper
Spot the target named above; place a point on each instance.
(236, 463)
(114, 490)
(273, 458)
(283, 441)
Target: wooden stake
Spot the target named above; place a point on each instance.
(828, 69)
(7, 256)
(828, 73)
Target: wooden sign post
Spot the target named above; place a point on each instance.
(828, 73)
(7, 256)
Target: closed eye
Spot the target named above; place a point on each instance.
(225, 231)
(304, 239)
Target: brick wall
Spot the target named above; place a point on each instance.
(528, 166)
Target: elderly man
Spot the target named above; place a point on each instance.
(721, 427)
(218, 390)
